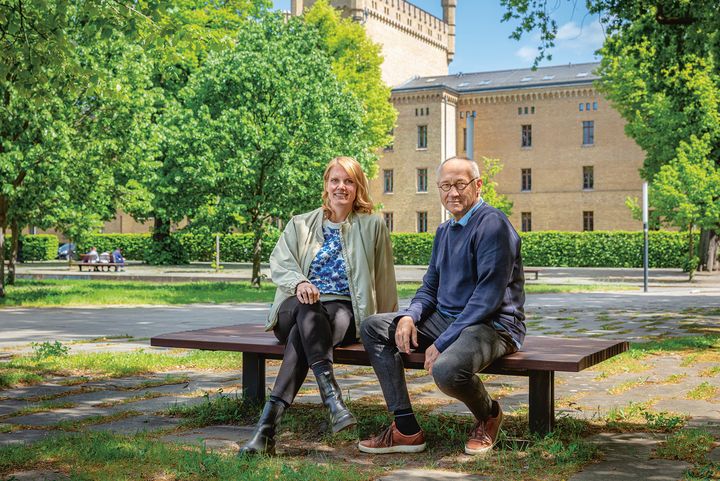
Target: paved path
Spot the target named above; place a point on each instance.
(23, 325)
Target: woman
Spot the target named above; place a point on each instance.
(333, 267)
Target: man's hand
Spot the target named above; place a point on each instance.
(405, 334)
(307, 293)
(431, 355)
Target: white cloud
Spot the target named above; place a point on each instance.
(526, 53)
(571, 36)
(569, 31)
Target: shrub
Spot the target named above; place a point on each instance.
(412, 249)
(569, 249)
(134, 246)
(35, 247)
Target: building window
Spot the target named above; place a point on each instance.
(532, 109)
(525, 110)
(581, 106)
(388, 183)
(422, 137)
(588, 220)
(422, 180)
(464, 144)
(427, 110)
(587, 106)
(526, 137)
(388, 216)
(526, 180)
(588, 132)
(595, 105)
(526, 221)
(588, 177)
(422, 221)
(519, 110)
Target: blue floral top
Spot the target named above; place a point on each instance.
(328, 271)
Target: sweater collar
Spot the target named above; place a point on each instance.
(466, 218)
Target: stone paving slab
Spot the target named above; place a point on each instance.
(9, 406)
(137, 424)
(427, 475)
(50, 418)
(627, 457)
(221, 438)
(23, 437)
(46, 389)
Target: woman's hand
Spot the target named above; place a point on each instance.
(307, 293)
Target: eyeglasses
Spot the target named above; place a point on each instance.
(460, 185)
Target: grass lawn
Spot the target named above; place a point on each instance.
(53, 293)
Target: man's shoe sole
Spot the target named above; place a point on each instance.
(415, 448)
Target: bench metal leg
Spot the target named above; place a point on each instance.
(253, 377)
(542, 402)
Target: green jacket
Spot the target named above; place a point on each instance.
(368, 258)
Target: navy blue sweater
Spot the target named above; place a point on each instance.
(476, 275)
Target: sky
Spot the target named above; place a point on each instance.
(482, 42)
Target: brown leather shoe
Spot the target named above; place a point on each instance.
(485, 434)
(393, 441)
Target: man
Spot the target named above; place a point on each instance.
(467, 313)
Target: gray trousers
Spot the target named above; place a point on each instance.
(454, 370)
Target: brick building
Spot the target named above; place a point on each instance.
(567, 163)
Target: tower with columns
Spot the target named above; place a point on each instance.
(414, 42)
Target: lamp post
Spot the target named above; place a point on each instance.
(645, 235)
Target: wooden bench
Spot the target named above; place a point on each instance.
(532, 271)
(539, 359)
(98, 266)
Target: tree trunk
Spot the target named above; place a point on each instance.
(2, 261)
(161, 230)
(709, 241)
(691, 254)
(257, 257)
(13, 253)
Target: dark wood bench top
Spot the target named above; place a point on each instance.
(539, 353)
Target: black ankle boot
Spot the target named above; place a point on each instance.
(263, 440)
(340, 416)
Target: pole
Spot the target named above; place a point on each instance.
(217, 252)
(645, 235)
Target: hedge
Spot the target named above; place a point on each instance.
(233, 247)
(548, 248)
(603, 249)
(134, 246)
(35, 247)
(569, 249)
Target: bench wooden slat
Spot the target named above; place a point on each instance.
(538, 353)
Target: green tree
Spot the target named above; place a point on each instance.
(259, 123)
(661, 70)
(192, 32)
(488, 170)
(357, 61)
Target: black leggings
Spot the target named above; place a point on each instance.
(309, 331)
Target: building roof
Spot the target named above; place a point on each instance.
(572, 74)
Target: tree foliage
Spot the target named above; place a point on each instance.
(488, 170)
(258, 124)
(357, 61)
(661, 70)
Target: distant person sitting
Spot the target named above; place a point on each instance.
(92, 257)
(105, 258)
(118, 258)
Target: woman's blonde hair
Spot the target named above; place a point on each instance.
(363, 203)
